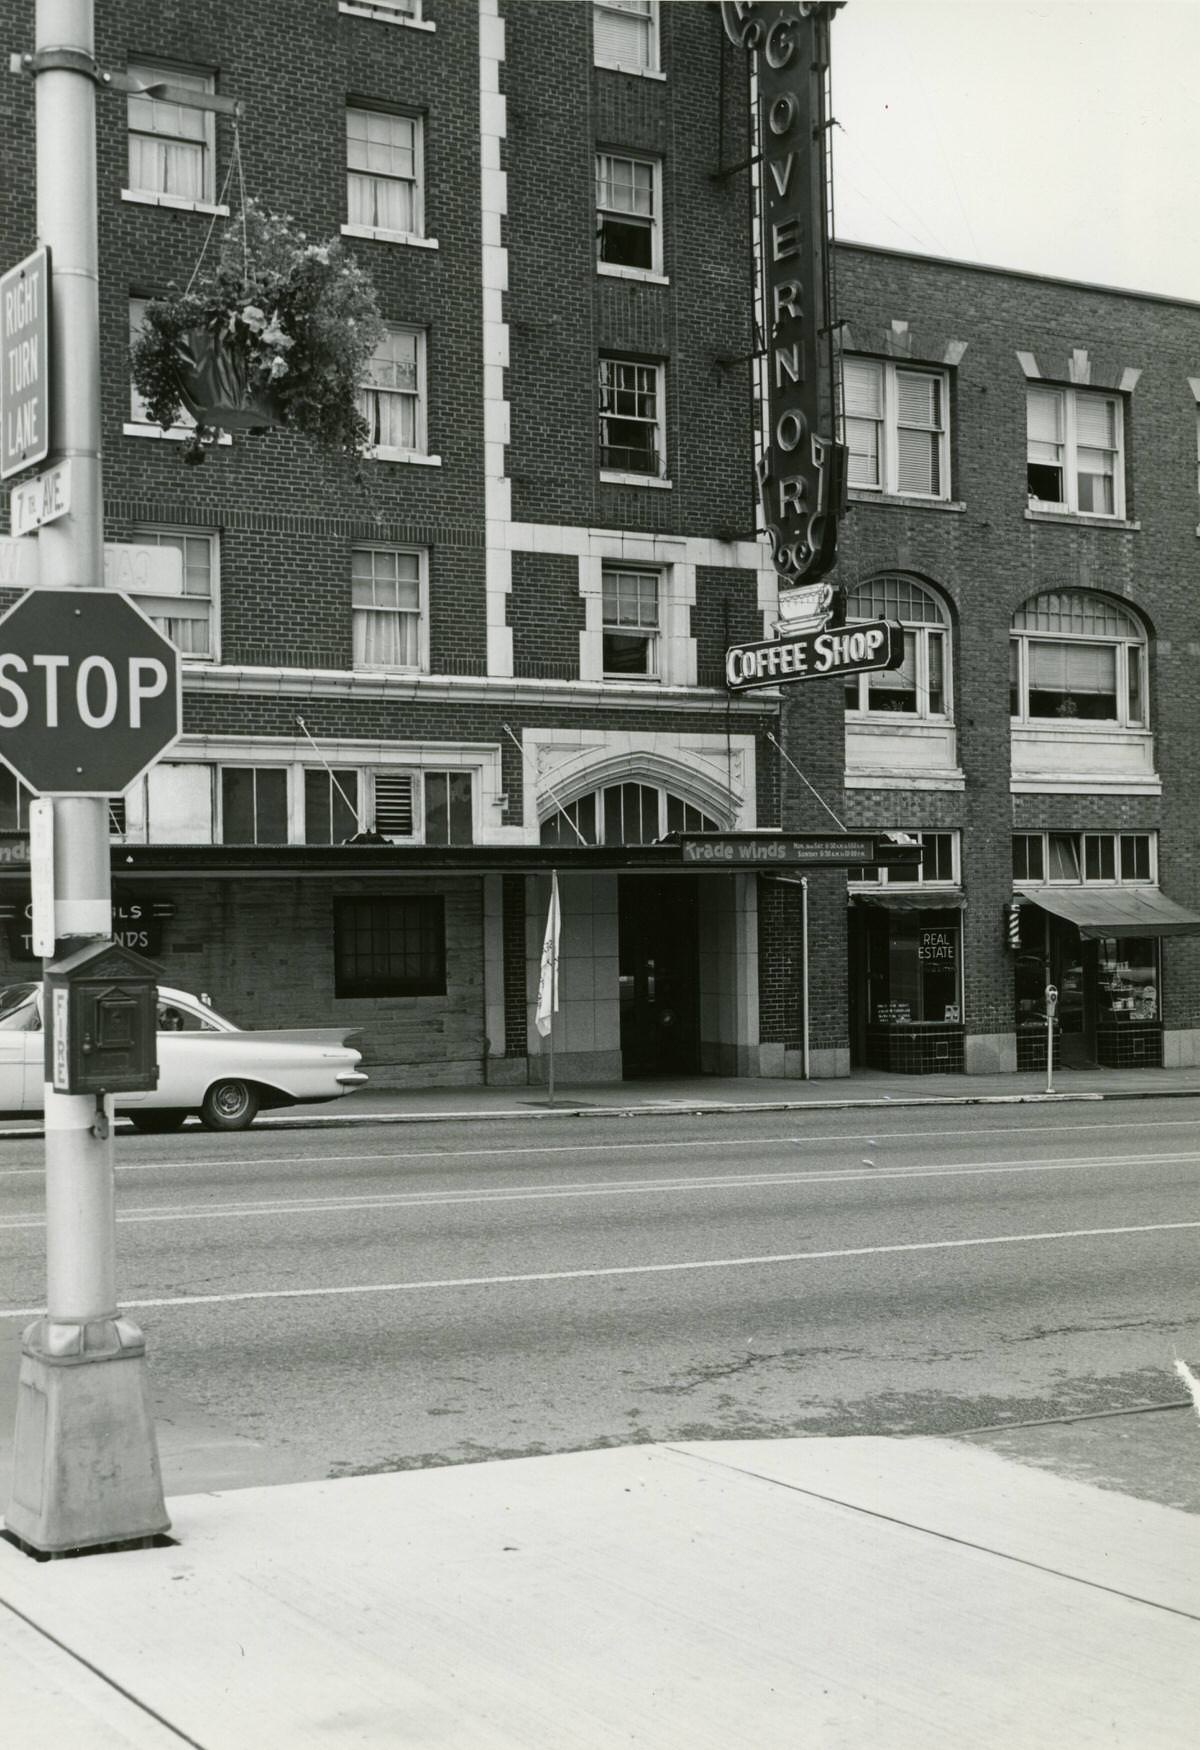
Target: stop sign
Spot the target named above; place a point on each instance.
(89, 692)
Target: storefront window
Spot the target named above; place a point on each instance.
(1128, 979)
(914, 970)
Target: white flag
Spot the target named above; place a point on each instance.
(547, 998)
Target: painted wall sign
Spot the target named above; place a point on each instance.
(855, 649)
(137, 923)
(801, 472)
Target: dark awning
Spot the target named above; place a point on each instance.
(950, 900)
(1116, 911)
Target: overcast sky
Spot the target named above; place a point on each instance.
(1057, 136)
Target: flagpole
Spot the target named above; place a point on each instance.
(553, 990)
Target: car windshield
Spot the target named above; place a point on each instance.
(18, 1008)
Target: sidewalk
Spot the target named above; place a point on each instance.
(864, 1088)
(871, 1594)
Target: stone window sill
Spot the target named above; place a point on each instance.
(417, 458)
(177, 433)
(385, 15)
(610, 478)
(1074, 520)
(634, 72)
(613, 270)
(375, 236)
(907, 502)
(139, 197)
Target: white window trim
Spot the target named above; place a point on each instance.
(422, 663)
(653, 68)
(889, 454)
(861, 713)
(378, 233)
(654, 273)
(421, 455)
(617, 476)
(1115, 833)
(213, 537)
(207, 202)
(656, 653)
(1075, 726)
(385, 14)
(1042, 507)
(885, 877)
(214, 753)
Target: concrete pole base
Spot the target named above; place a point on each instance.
(85, 1464)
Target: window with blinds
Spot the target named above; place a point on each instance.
(1075, 656)
(625, 34)
(895, 427)
(1074, 454)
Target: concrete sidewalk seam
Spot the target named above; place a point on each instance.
(930, 1531)
(109, 1682)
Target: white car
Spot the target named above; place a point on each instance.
(205, 1064)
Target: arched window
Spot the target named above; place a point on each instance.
(624, 814)
(1077, 657)
(920, 687)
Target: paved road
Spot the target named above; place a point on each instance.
(325, 1303)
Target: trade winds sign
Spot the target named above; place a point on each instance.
(801, 471)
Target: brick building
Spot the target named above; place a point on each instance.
(501, 648)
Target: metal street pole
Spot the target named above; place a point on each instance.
(86, 1469)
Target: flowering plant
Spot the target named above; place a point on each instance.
(279, 332)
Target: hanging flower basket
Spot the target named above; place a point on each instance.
(215, 386)
(279, 332)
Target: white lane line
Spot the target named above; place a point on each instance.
(426, 1285)
(260, 1208)
(881, 1138)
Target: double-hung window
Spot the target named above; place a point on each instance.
(626, 34)
(628, 232)
(631, 621)
(170, 144)
(392, 400)
(631, 418)
(1075, 451)
(896, 428)
(384, 173)
(388, 597)
(188, 620)
(1077, 657)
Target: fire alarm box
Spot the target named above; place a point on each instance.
(100, 1022)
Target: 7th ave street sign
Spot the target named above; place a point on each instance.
(89, 692)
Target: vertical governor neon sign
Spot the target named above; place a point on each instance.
(801, 471)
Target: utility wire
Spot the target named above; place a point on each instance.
(840, 824)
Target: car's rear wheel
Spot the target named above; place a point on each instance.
(229, 1106)
(166, 1118)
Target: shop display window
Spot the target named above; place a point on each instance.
(1127, 980)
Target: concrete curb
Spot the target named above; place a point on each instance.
(670, 1109)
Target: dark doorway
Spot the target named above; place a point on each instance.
(659, 970)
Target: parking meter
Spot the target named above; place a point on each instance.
(1051, 1000)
